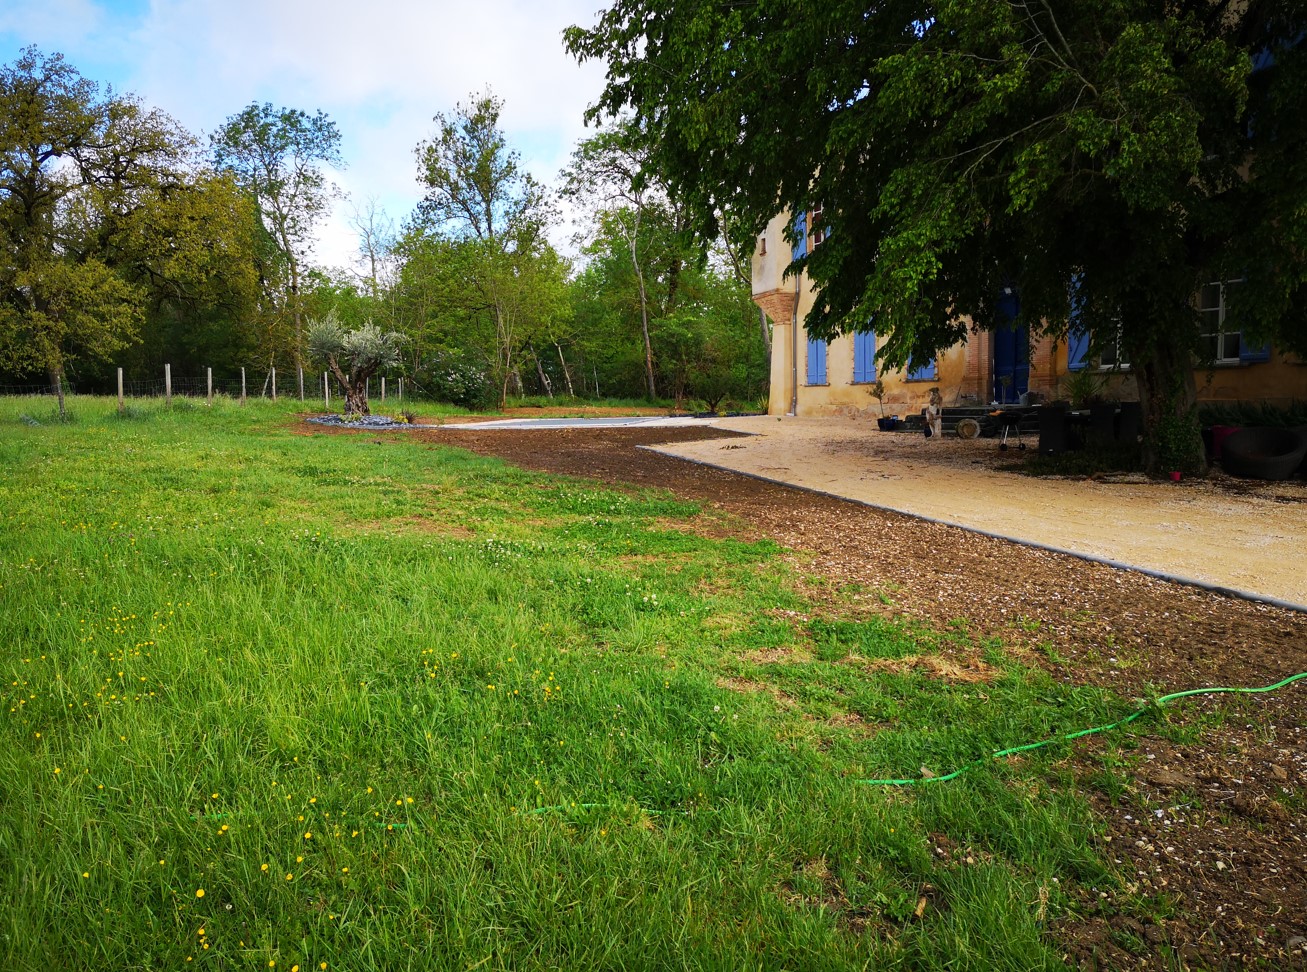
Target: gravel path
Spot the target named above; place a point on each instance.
(1253, 541)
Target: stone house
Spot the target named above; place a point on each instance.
(810, 377)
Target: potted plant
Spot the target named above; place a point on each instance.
(878, 392)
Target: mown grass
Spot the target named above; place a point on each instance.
(354, 702)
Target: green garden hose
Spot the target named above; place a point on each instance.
(1083, 732)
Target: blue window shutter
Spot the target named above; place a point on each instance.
(923, 372)
(864, 356)
(801, 231)
(1249, 355)
(816, 362)
(1077, 348)
(1077, 338)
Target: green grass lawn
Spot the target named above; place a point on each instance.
(355, 703)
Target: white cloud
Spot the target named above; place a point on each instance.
(380, 71)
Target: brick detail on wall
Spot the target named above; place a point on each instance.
(778, 304)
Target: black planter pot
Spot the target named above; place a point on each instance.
(1053, 425)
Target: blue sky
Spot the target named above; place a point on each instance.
(380, 70)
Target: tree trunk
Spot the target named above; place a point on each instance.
(296, 315)
(567, 375)
(57, 380)
(544, 378)
(356, 398)
(644, 310)
(1168, 399)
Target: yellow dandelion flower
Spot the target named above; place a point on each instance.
(308, 835)
(344, 870)
(199, 892)
(290, 877)
(299, 860)
(263, 867)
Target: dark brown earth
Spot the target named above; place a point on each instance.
(1216, 831)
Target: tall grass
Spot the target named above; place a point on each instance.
(354, 702)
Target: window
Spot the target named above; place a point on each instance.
(926, 371)
(816, 362)
(800, 248)
(1111, 356)
(1219, 346)
(864, 357)
(817, 227)
(762, 246)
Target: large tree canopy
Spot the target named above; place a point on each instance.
(500, 277)
(278, 155)
(1105, 157)
(104, 219)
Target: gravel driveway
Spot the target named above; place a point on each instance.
(1248, 538)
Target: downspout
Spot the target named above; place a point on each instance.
(794, 350)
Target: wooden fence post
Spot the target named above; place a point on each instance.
(167, 385)
(401, 389)
(326, 392)
(120, 391)
(242, 386)
(383, 388)
(274, 383)
(208, 385)
(301, 370)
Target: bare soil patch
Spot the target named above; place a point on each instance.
(1235, 797)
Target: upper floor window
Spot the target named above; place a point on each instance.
(817, 227)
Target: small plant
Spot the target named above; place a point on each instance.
(877, 391)
(1083, 388)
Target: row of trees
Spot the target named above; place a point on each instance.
(125, 242)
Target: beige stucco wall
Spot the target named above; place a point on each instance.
(965, 370)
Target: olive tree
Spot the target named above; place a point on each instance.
(353, 356)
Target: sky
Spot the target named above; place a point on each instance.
(380, 70)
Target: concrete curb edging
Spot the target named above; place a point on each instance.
(1092, 558)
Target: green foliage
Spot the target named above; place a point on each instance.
(1254, 414)
(1179, 444)
(75, 165)
(1083, 388)
(277, 155)
(480, 230)
(1125, 151)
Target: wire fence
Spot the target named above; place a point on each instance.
(271, 384)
